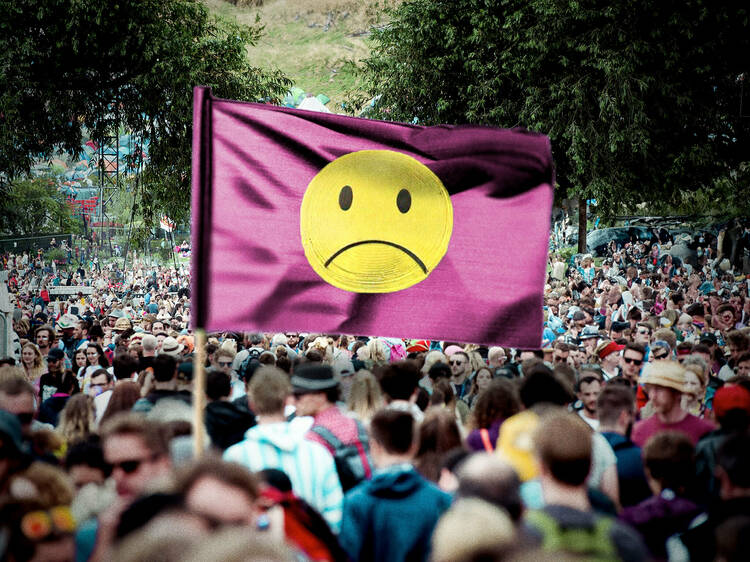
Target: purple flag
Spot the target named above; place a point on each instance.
(316, 222)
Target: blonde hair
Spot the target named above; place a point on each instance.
(365, 396)
(77, 419)
(37, 370)
(376, 350)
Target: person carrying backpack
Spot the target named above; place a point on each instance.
(567, 523)
(316, 390)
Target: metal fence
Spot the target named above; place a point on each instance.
(33, 243)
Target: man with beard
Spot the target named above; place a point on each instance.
(588, 389)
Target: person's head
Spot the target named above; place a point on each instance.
(668, 459)
(738, 344)
(27, 539)
(218, 385)
(615, 407)
(31, 357)
(55, 360)
(399, 380)
(482, 379)
(17, 398)
(165, 368)
(562, 443)
(365, 396)
(696, 378)
(84, 463)
(742, 365)
(664, 382)
(487, 477)
(561, 353)
(473, 529)
(540, 386)
(77, 418)
(315, 388)
(498, 401)
(137, 450)
(45, 336)
(660, 351)
(101, 381)
(496, 357)
(204, 481)
(642, 333)
(632, 360)
(79, 357)
(393, 433)
(223, 359)
(460, 366)
(438, 434)
(588, 389)
(269, 390)
(124, 396)
(124, 366)
(95, 356)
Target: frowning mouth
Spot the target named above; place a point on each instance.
(408, 252)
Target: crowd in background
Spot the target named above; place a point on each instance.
(624, 435)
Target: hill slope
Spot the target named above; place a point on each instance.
(316, 43)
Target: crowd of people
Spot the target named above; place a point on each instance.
(624, 435)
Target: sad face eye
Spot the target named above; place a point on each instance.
(403, 201)
(345, 198)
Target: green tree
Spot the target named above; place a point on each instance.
(67, 66)
(640, 98)
(35, 206)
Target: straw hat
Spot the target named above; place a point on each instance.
(665, 373)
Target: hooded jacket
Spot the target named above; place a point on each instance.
(309, 465)
(391, 517)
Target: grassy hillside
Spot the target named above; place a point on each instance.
(316, 43)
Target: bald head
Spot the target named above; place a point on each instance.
(487, 477)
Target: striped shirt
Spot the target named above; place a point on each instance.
(309, 465)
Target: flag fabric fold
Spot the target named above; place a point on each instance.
(255, 244)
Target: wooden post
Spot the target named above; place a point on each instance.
(199, 393)
(582, 220)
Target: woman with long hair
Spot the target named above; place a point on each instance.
(95, 360)
(365, 396)
(33, 364)
(79, 361)
(77, 419)
(495, 404)
(482, 379)
(124, 395)
(438, 434)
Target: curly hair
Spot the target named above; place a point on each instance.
(77, 419)
(499, 400)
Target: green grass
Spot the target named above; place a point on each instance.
(317, 44)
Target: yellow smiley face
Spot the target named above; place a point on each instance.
(375, 221)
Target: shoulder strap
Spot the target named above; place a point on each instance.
(327, 435)
(485, 435)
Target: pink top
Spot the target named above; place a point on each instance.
(692, 426)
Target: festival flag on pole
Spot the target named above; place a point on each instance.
(317, 222)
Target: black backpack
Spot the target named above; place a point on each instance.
(348, 458)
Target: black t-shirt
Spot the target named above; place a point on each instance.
(49, 384)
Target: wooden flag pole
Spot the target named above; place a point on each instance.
(199, 393)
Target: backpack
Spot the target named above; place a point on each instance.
(587, 544)
(348, 458)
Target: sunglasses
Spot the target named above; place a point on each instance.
(643, 332)
(130, 466)
(457, 362)
(660, 356)
(225, 363)
(633, 361)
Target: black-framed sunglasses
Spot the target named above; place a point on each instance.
(633, 361)
(457, 362)
(661, 356)
(130, 466)
(225, 363)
